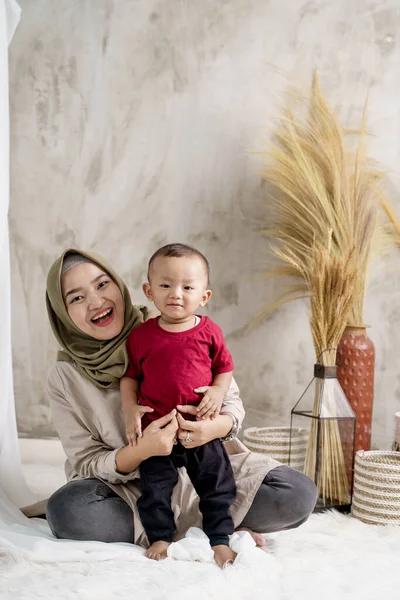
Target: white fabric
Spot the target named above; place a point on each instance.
(196, 547)
(33, 542)
(12, 485)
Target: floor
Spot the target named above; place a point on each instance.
(332, 556)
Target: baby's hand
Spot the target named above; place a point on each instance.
(133, 419)
(210, 406)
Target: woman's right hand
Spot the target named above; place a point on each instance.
(157, 440)
(159, 437)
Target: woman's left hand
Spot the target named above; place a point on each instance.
(196, 433)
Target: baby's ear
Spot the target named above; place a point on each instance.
(205, 298)
(147, 291)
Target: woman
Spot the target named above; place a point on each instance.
(91, 314)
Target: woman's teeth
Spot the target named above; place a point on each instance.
(102, 315)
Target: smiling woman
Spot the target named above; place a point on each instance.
(82, 286)
(95, 302)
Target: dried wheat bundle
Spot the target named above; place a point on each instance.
(320, 187)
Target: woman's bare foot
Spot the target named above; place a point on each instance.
(257, 537)
(158, 550)
(223, 555)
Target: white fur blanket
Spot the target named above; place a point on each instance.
(332, 556)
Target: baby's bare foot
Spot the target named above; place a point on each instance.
(158, 550)
(223, 555)
(257, 537)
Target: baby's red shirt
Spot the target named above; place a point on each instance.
(170, 365)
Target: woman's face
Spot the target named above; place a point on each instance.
(93, 301)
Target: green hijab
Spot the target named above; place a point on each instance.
(103, 362)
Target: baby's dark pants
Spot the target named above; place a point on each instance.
(210, 472)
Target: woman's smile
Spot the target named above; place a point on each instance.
(103, 317)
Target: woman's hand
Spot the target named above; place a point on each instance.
(196, 433)
(159, 437)
(157, 440)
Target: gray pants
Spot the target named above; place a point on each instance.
(89, 510)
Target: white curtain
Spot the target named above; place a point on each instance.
(10, 469)
(20, 537)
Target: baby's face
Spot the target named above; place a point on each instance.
(177, 286)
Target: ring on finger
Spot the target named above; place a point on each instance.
(188, 439)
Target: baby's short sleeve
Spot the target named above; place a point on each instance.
(222, 361)
(133, 366)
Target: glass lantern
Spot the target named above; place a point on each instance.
(324, 412)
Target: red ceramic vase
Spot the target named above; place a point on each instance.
(356, 366)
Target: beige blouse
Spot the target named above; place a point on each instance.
(91, 427)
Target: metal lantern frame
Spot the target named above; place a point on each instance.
(344, 427)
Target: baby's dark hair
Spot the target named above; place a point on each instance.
(178, 251)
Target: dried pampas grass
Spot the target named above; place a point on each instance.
(329, 281)
(320, 190)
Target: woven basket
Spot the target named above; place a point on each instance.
(376, 497)
(275, 441)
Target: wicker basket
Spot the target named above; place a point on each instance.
(376, 497)
(275, 441)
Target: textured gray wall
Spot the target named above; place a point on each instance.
(132, 125)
